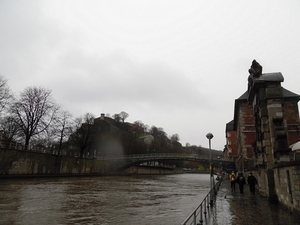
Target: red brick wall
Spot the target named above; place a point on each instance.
(246, 136)
(232, 144)
(291, 113)
(249, 129)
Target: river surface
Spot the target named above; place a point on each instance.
(126, 200)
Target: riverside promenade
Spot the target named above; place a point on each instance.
(247, 209)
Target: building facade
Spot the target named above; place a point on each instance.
(266, 121)
(244, 126)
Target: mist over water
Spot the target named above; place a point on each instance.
(164, 199)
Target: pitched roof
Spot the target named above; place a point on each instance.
(229, 126)
(244, 97)
(288, 94)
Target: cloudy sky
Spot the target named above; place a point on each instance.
(178, 65)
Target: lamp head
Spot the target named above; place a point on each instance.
(209, 136)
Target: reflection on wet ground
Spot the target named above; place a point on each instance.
(239, 209)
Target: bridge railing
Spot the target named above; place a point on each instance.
(153, 155)
(201, 212)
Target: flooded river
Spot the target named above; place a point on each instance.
(126, 200)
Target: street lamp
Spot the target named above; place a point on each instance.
(209, 137)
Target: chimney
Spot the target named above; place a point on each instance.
(102, 116)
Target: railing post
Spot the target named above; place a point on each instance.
(195, 218)
(205, 206)
(214, 188)
(208, 200)
(201, 216)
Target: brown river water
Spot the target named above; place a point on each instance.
(126, 200)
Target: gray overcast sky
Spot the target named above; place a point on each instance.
(178, 65)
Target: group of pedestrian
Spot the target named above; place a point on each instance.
(241, 181)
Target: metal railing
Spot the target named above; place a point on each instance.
(31, 148)
(201, 211)
(154, 155)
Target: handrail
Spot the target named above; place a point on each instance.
(154, 155)
(202, 209)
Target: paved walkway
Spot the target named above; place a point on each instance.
(247, 209)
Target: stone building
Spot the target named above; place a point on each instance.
(266, 121)
(248, 127)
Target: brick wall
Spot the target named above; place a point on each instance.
(246, 137)
(291, 114)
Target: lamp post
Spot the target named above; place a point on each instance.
(209, 137)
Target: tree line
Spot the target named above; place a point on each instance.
(34, 121)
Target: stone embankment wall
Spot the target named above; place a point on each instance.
(17, 163)
(146, 170)
(287, 185)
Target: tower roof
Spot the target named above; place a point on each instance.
(277, 77)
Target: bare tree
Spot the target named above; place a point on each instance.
(34, 112)
(158, 132)
(140, 128)
(117, 117)
(9, 128)
(62, 127)
(82, 132)
(5, 95)
(123, 116)
(175, 138)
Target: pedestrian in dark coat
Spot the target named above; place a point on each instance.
(252, 181)
(241, 181)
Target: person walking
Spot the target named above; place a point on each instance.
(252, 181)
(241, 181)
(232, 179)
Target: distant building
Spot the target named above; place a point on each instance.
(230, 150)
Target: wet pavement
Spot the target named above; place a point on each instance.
(235, 208)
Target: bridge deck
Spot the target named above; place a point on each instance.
(120, 162)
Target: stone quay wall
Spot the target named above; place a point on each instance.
(287, 184)
(147, 170)
(18, 163)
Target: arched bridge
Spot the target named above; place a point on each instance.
(119, 163)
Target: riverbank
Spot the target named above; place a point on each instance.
(21, 164)
(246, 208)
